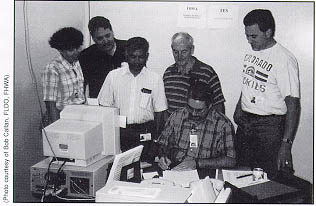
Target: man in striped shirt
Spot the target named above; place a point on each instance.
(177, 77)
(197, 136)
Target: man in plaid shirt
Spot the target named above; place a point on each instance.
(62, 78)
(197, 136)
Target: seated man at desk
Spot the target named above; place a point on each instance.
(197, 136)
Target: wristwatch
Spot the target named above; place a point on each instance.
(287, 141)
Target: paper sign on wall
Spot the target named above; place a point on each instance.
(192, 15)
(222, 16)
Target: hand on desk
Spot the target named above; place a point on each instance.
(164, 163)
(285, 158)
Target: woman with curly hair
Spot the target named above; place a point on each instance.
(62, 78)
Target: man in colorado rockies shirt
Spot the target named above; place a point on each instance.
(267, 112)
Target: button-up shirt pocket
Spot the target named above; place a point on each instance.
(145, 101)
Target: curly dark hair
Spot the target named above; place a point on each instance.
(136, 43)
(97, 22)
(66, 38)
(263, 18)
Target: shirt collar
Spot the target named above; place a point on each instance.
(126, 70)
(186, 113)
(66, 63)
(176, 69)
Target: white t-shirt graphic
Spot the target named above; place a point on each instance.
(269, 76)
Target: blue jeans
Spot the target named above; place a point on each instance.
(258, 140)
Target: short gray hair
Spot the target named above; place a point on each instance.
(182, 35)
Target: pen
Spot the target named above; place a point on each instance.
(247, 175)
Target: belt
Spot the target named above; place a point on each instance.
(261, 116)
(140, 126)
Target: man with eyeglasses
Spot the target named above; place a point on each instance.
(196, 136)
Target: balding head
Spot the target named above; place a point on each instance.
(182, 48)
(182, 38)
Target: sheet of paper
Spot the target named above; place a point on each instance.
(122, 121)
(231, 177)
(191, 15)
(144, 165)
(182, 178)
(222, 16)
(135, 191)
(93, 101)
(149, 175)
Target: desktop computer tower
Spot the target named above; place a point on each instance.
(79, 182)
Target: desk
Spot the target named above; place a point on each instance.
(303, 195)
(202, 172)
(302, 192)
(284, 188)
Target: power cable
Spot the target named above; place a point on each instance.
(31, 70)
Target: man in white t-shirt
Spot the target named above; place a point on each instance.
(267, 113)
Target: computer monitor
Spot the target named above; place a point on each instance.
(80, 143)
(126, 166)
(84, 134)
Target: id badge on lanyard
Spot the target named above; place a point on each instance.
(145, 137)
(193, 139)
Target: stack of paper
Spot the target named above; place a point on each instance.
(118, 191)
(242, 178)
(181, 178)
(202, 192)
(135, 191)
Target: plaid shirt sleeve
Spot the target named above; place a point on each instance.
(167, 133)
(228, 133)
(50, 83)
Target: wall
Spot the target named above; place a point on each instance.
(157, 22)
(44, 19)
